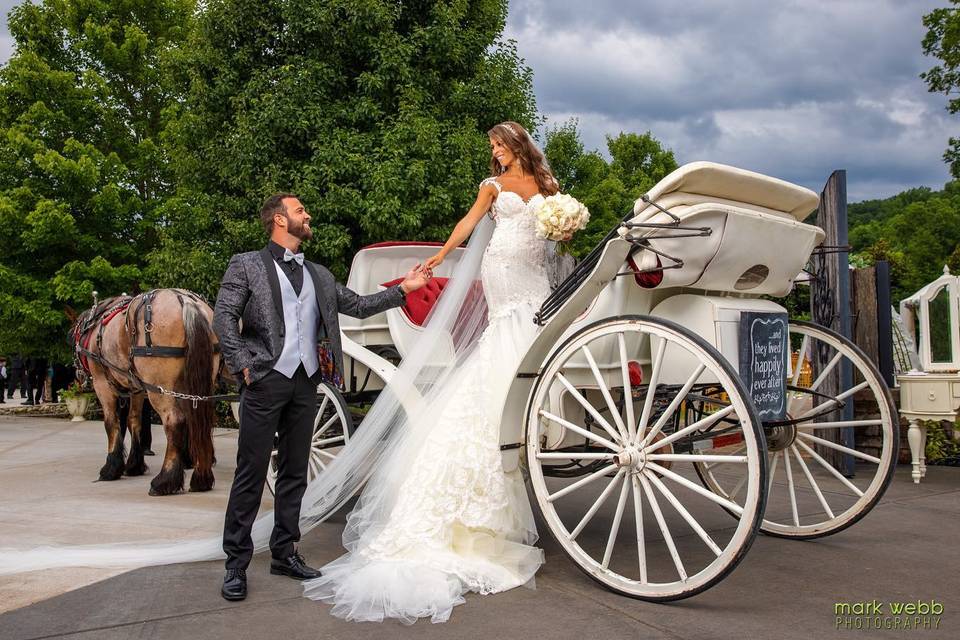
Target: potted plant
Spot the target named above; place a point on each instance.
(78, 399)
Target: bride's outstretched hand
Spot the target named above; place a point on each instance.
(416, 278)
(433, 261)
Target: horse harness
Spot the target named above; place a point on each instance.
(141, 304)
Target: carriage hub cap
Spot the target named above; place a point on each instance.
(630, 457)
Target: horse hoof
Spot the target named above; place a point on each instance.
(136, 470)
(167, 483)
(110, 473)
(201, 481)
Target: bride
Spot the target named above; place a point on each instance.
(440, 517)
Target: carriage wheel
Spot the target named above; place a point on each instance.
(631, 442)
(332, 429)
(818, 483)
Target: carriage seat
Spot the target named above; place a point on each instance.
(420, 302)
(700, 182)
(375, 264)
(757, 243)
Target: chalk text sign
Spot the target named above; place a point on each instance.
(764, 348)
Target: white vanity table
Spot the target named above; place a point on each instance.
(932, 393)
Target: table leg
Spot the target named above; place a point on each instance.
(915, 437)
(923, 452)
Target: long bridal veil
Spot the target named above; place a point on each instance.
(382, 445)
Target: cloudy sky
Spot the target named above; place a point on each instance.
(793, 88)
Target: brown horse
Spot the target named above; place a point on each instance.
(136, 346)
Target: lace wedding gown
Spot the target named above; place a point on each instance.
(458, 522)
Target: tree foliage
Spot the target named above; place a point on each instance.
(942, 41)
(917, 231)
(374, 112)
(81, 166)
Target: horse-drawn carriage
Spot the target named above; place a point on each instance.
(667, 388)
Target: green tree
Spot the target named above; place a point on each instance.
(81, 165)
(373, 111)
(917, 232)
(942, 41)
(608, 189)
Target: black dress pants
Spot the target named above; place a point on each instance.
(272, 405)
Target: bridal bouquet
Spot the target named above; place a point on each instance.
(558, 217)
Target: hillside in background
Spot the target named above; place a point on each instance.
(917, 231)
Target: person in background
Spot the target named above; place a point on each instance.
(3, 379)
(16, 376)
(62, 376)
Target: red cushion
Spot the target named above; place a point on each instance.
(420, 302)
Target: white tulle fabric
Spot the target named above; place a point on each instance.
(441, 518)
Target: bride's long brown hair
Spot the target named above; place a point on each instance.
(532, 161)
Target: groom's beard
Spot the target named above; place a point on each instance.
(300, 230)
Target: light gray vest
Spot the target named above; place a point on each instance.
(301, 317)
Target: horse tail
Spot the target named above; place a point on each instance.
(198, 381)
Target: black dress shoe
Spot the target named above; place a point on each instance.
(234, 585)
(294, 566)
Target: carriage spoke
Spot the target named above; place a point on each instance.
(793, 493)
(839, 447)
(589, 407)
(326, 425)
(840, 424)
(579, 430)
(737, 487)
(711, 465)
(826, 371)
(800, 357)
(327, 441)
(834, 401)
(605, 392)
(651, 389)
(773, 471)
(573, 455)
(615, 527)
(829, 467)
(813, 483)
(596, 505)
(326, 454)
(709, 495)
(696, 426)
(323, 404)
(580, 483)
(672, 499)
(696, 457)
(652, 499)
(672, 407)
(627, 389)
(638, 514)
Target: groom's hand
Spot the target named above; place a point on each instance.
(416, 278)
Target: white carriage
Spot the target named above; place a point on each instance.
(640, 434)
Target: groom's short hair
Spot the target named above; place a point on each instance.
(271, 207)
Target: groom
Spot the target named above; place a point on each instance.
(290, 335)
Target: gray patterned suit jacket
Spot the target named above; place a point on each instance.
(250, 290)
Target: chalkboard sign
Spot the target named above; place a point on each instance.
(763, 361)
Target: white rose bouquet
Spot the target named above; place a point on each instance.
(558, 217)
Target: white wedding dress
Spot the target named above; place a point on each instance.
(456, 522)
